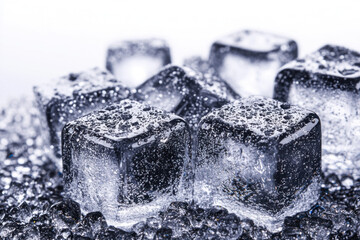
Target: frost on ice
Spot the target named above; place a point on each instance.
(132, 62)
(327, 82)
(125, 157)
(260, 158)
(249, 60)
(72, 96)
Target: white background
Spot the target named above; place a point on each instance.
(42, 39)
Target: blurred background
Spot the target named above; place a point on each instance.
(41, 40)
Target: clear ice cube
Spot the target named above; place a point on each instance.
(127, 160)
(249, 60)
(132, 62)
(185, 92)
(259, 158)
(72, 96)
(327, 82)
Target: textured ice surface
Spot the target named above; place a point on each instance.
(126, 160)
(72, 96)
(132, 62)
(32, 204)
(249, 60)
(327, 82)
(188, 93)
(260, 158)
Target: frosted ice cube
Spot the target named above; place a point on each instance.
(72, 96)
(187, 93)
(249, 60)
(127, 160)
(259, 158)
(327, 82)
(132, 62)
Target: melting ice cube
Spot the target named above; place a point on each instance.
(249, 60)
(327, 82)
(259, 158)
(126, 160)
(132, 62)
(73, 96)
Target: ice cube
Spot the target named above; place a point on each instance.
(126, 160)
(185, 92)
(327, 82)
(73, 96)
(259, 158)
(201, 65)
(249, 60)
(132, 62)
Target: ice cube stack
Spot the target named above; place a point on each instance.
(192, 132)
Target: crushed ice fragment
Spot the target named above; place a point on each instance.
(249, 60)
(264, 167)
(132, 62)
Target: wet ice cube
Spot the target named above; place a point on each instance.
(259, 158)
(187, 93)
(72, 96)
(125, 155)
(132, 62)
(249, 60)
(327, 82)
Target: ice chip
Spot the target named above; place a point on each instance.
(73, 96)
(132, 62)
(259, 158)
(126, 160)
(185, 92)
(327, 82)
(249, 60)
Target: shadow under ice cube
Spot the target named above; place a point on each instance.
(132, 62)
(73, 96)
(328, 82)
(249, 60)
(185, 92)
(259, 158)
(126, 160)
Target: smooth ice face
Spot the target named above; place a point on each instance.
(127, 160)
(132, 62)
(327, 82)
(259, 157)
(72, 96)
(249, 60)
(186, 92)
(249, 76)
(133, 70)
